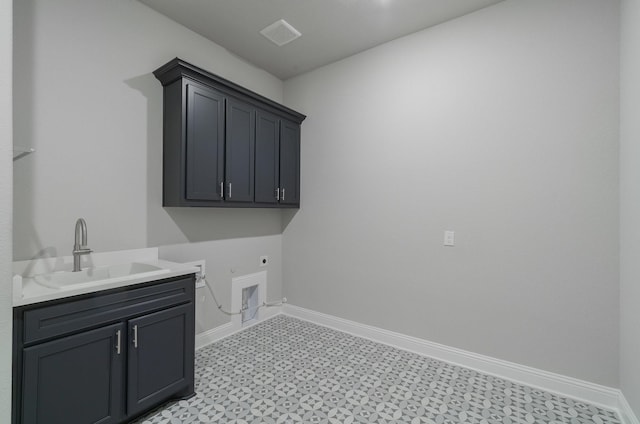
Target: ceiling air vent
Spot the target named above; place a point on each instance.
(280, 33)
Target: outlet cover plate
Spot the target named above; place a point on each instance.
(200, 282)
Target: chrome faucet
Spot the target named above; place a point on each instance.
(80, 247)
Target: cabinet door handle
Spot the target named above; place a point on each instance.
(221, 189)
(135, 336)
(229, 190)
(118, 337)
(283, 195)
(278, 193)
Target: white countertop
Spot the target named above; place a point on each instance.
(27, 291)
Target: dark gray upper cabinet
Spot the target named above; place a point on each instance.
(277, 160)
(224, 145)
(289, 163)
(204, 143)
(267, 157)
(240, 147)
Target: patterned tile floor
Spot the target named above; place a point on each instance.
(285, 370)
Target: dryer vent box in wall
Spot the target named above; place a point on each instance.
(250, 303)
(248, 294)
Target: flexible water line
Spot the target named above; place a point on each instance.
(230, 313)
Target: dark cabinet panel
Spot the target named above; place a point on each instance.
(104, 357)
(289, 163)
(204, 143)
(240, 150)
(217, 132)
(277, 160)
(60, 319)
(160, 357)
(75, 379)
(267, 157)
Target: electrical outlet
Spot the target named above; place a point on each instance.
(449, 238)
(264, 260)
(200, 281)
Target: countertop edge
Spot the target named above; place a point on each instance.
(46, 294)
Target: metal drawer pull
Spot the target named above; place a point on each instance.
(118, 334)
(221, 189)
(229, 190)
(135, 336)
(278, 193)
(283, 195)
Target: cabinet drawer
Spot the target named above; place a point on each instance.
(98, 309)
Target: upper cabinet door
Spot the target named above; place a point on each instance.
(289, 163)
(204, 143)
(240, 151)
(267, 157)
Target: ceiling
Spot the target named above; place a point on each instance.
(331, 29)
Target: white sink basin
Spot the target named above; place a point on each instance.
(67, 280)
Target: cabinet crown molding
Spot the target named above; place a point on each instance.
(177, 68)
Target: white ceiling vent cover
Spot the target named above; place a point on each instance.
(280, 33)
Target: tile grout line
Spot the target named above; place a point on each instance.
(592, 393)
(299, 342)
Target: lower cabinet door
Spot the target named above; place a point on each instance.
(76, 379)
(161, 352)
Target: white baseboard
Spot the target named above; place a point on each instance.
(626, 413)
(596, 394)
(225, 330)
(207, 337)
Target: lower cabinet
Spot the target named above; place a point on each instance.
(95, 370)
(289, 163)
(75, 379)
(158, 361)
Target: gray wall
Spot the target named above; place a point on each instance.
(501, 125)
(92, 109)
(228, 259)
(6, 189)
(630, 203)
